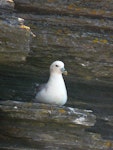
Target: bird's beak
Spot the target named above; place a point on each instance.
(63, 70)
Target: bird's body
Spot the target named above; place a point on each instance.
(54, 91)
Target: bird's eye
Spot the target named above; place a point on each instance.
(56, 65)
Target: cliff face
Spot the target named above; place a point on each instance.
(33, 33)
(75, 31)
(14, 36)
(40, 126)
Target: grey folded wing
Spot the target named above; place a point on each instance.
(40, 87)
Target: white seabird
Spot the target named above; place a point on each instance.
(54, 91)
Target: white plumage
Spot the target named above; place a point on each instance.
(54, 91)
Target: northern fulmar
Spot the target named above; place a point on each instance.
(54, 91)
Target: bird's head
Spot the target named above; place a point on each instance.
(58, 67)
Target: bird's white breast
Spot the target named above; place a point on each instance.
(55, 91)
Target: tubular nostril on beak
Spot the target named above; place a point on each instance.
(63, 70)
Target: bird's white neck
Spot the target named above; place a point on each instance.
(56, 79)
